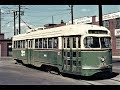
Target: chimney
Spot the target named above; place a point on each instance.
(94, 20)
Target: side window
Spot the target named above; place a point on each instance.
(23, 43)
(44, 42)
(14, 44)
(74, 42)
(18, 44)
(68, 42)
(36, 43)
(79, 42)
(64, 43)
(40, 42)
(29, 44)
(55, 43)
(49, 42)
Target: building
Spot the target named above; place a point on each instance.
(110, 21)
(5, 46)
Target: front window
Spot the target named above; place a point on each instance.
(91, 42)
(105, 42)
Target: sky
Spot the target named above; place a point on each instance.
(39, 15)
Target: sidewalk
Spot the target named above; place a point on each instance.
(116, 57)
(5, 58)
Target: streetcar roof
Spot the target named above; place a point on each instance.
(78, 29)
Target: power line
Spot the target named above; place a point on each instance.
(8, 22)
(26, 24)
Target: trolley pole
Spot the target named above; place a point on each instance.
(100, 15)
(19, 21)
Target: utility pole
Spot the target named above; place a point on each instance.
(0, 20)
(52, 20)
(14, 22)
(17, 13)
(71, 6)
(100, 15)
(19, 21)
(72, 13)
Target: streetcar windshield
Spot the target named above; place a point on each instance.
(94, 42)
(91, 42)
(105, 42)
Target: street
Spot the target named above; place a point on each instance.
(17, 74)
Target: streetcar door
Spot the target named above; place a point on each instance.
(29, 51)
(67, 54)
(71, 54)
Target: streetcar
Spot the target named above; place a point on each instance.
(81, 49)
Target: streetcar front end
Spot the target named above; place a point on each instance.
(96, 57)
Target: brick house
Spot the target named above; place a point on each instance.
(5, 46)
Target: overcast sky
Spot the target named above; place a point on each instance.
(39, 15)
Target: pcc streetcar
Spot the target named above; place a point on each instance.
(80, 49)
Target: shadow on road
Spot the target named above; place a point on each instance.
(115, 61)
(98, 76)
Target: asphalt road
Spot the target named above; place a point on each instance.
(17, 74)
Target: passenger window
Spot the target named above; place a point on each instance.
(45, 43)
(40, 43)
(14, 44)
(55, 43)
(79, 42)
(74, 42)
(36, 43)
(64, 43)
(49, 42)
(68, 42)
(23, 43)
(18, 44)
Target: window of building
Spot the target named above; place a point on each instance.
(117, 23)
(118, 43)
(106, 23)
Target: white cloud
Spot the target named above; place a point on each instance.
(2, 11)
(8, 25)
(22, 25)
(84, 10)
